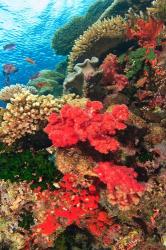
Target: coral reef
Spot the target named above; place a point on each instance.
(98, 39)
(64, 37)
(80, 80)
(7, 93)
(75, 124)
(158, 9)
(26, 114)
(120, 7)
(88, 171)
(14, 198)
(48, 82)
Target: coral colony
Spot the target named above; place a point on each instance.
(87, 170)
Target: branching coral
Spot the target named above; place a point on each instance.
(7, 93)
(98, 39)
(158, 9)
(27, 113)
(88, 124)
(122, 187)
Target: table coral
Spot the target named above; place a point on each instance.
(98, 39)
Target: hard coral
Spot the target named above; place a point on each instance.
(9, 92)
(111, 75)
(88, 124)
(122, 188)
(98, 39)
(146, 32)
(27, 113)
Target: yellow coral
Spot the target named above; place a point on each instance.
(28, 113)
(108, 32)
(158, 9)
(8, 92)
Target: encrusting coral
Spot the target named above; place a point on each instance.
(97, 40)
(27, 113)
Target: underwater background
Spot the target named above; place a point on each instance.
(30, 25)
(83, 125)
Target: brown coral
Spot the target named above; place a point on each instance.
(98, 39)
(74, 160)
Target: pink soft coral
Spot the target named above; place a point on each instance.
(75, 124)
(122, 186)
(111, 75)
(146, 32)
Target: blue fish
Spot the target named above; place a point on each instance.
(10, 46)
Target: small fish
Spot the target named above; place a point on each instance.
(9, 68)
(30, 60)
(9, 46)
(35, 76)
(41, 84)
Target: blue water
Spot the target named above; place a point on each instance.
(31, 24)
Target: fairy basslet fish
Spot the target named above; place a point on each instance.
(30, 60)
(9, 46)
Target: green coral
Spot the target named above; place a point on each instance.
(28, 166)
(64, 37)
(52, 83)
(135, 61)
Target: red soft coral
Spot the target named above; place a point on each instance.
(75, 124)
(122, 186)
(146, 32)
(110, 73)
(65, 206)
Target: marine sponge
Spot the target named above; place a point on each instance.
(8, 92)
(98, 39)
(27, 113)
